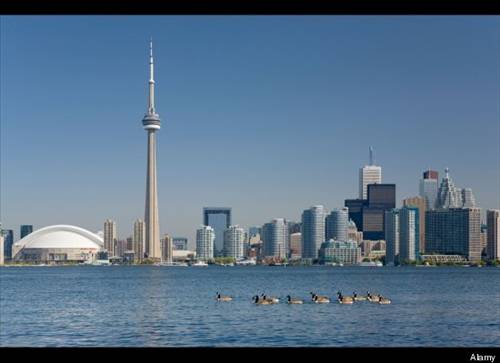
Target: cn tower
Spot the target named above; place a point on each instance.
(151, 123)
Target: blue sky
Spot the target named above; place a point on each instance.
(266, 114)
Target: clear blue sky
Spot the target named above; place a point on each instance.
(267, 115)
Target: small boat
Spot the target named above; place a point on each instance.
(200, 264)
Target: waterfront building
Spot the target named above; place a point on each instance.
(8, 242)
(151, 123)
(454, 231)
(429, 188)
(167, 249)
(352, 232)
(409, 231)
(369, 174)
(345, 252)
(436, 258)
(493, 231)
(219, 218)
(110, 236)
(313, 231)
(180, 243)
(26, 229)
(381, 197)
(296, 245)
(336, 224)
(139, 239)
(129, 257)
(234, 240)
(420, 203)
(205, 237)
(58, 244)
(392, 237)
(2, 239)
(274, 238)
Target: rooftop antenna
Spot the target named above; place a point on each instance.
(371, 155)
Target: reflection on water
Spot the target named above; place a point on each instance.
(162, 306)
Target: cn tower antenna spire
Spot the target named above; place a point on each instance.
(151, 105)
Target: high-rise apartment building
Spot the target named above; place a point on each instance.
(408, 234)
(369, 174)
(220, 220)
(336, 224)
(313, 231)
(454, 231)
(234, 239)
(275, 237)
(139, 237)
(493, 231)
(420, 203)
(110, 237)
(205, 237)
(167, 249)
(392, 237)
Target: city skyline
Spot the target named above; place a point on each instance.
(245, 138)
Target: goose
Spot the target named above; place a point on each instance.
(344, 299)
(358, 298)
(223, 297)
(373, 298)
(261, 301)
(320, 299)
(383, 300)
(273, 299)
(294, 301)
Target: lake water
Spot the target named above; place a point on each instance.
(175, 306)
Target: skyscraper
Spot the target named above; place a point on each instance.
(408, 234)
(429, 188)
(336, 224)
(296, 245)
(313, 231)
(355, 208)
(274, 237)
(139, 238)
(421, 204)
(110, 236)
(234, 238)
(449, 196)
(381, 197)
(151, 123)
(220, 220)
(468, 198)
(205, 237)
(392, 236)
(369, 174)
(8, 235)
(454, 231)
(493, 230)
(167, 249)
(26, 229)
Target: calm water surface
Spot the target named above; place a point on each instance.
(162, 306)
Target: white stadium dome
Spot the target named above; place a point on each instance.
(57, 239)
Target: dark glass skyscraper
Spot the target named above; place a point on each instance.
(381, 197)
(355, 207)
(7, 244)
(219, 219)
(26, 229)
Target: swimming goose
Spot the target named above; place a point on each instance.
(358, 298)
(373, 298)
(344, 299)
(223, 298)
(273, 299)
(294, 301)
(320, 299)
(258, 301)
(383, 300)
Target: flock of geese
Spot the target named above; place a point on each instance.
(318, 299)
